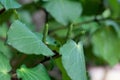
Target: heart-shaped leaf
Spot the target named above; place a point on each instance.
(73, 60)
(64, 11)
(21, 38)
(4, 67)
(106, 45)
(37, 73)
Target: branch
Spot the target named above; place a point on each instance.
(85, 22)
(75, 25)
(13, 73)
(47, 59)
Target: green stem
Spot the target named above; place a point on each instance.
(70, 28)
(45, 33)
(16, 14)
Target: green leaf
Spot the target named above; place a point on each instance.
(106, 45)
(114, 25)
(9, 4)
(5, 49)
(1, 7)
(37, 73)
(64, 11)
(115, 7)
(73, 60)
(4, 67)
(21, 38)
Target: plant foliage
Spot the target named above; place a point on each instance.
(39, 36)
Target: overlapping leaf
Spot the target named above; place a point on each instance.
(73, 60)
(5, 49)
(4, 67)
(106, 44)
(9, 4)
(21, 38)
(36, 73)
(64, 11)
